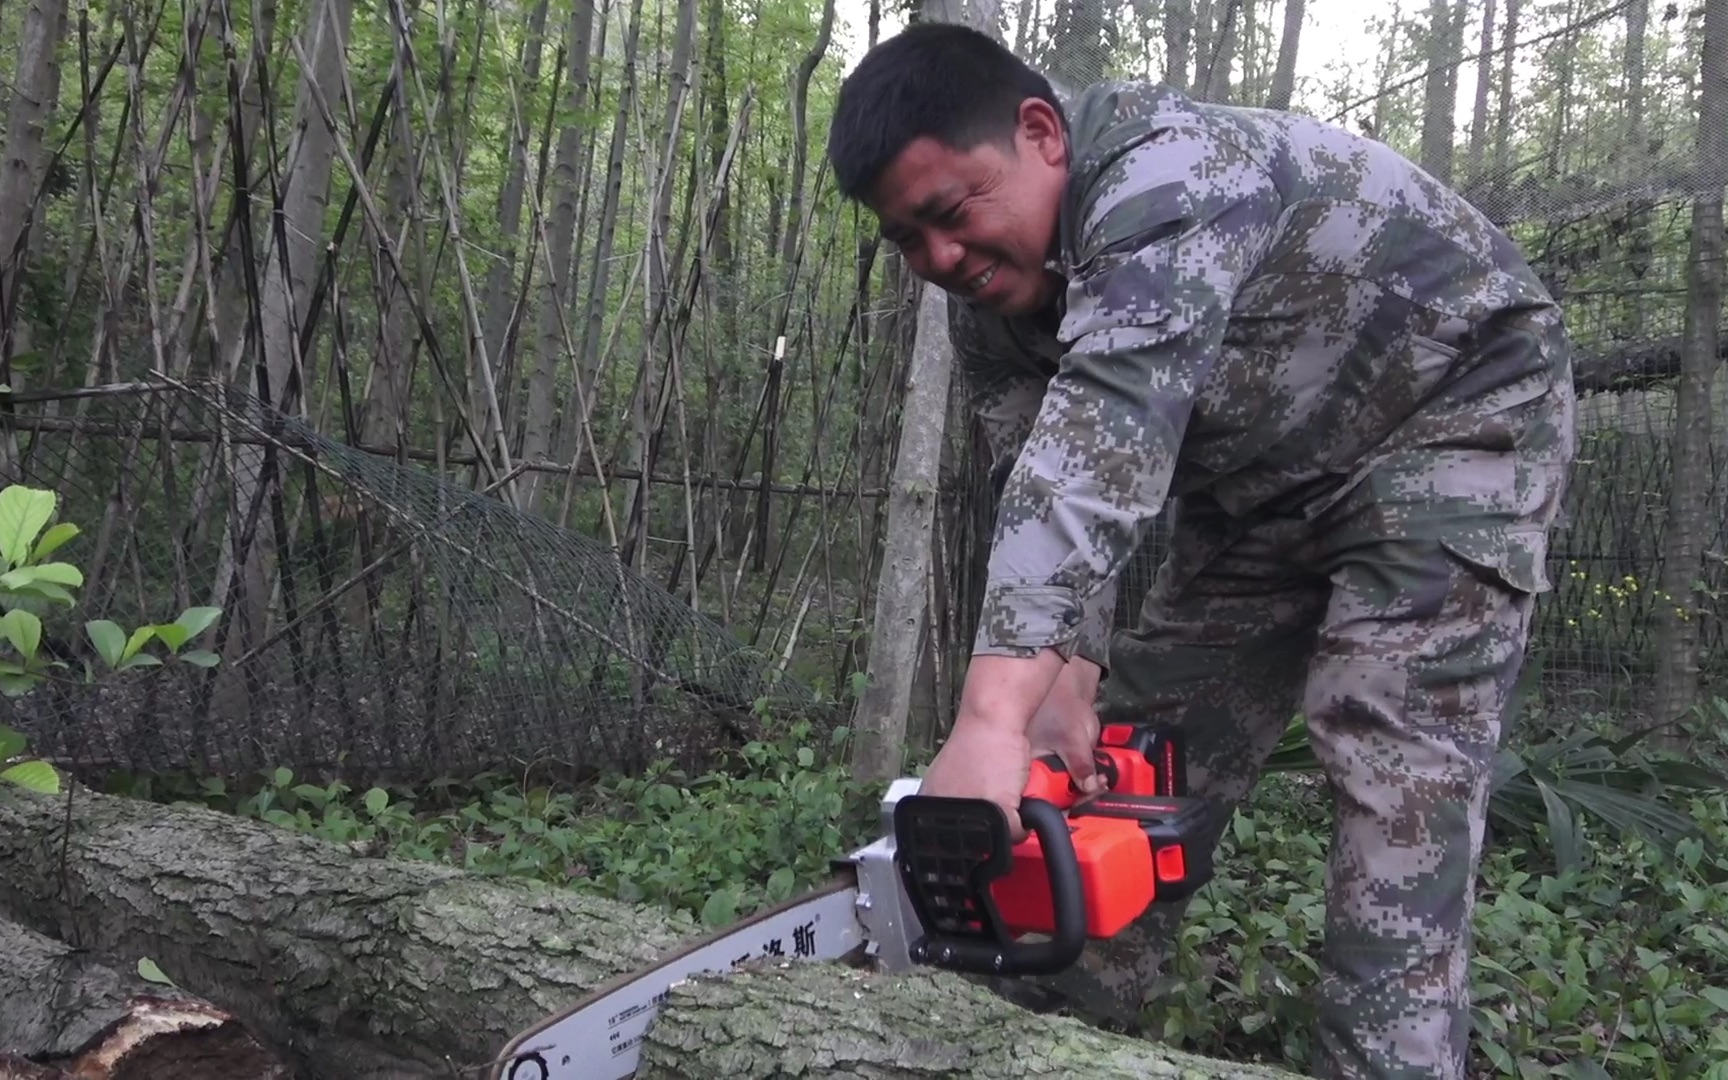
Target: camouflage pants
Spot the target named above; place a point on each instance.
(1396, 622)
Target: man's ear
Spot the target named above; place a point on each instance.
(1041, 129)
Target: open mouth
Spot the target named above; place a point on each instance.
(979, 281)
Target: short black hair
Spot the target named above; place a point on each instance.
(952, 83)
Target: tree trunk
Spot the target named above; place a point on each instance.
(1689, 496)
(783, 1020)
(902, 600)
(1284, 75)
(358, 967)
(69, 1015)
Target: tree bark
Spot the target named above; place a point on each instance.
(820, 1020)
(349, 966)
(69, 1014)
(364, 968)
(902, 601)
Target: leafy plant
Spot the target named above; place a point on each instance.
(32, 584)
(1559, 783)
(1616, 969)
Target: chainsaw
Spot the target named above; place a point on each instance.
(941, 887)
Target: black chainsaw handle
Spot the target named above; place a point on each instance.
(988, 949)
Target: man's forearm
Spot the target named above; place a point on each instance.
(1005, 692)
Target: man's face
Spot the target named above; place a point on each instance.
(980, 223)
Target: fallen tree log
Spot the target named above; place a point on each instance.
(367, 968)
(823, 1020)
(67, 1015)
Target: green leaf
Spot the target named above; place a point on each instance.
(23, 513)
(12, 743)
(50, 573)
(37, 776)
(24, 630)
(201, 657)
(140, 637)
(172, 635)
(149, 972)
(721, 908)
(108, 638)
(53, 539)
(196, 620)
(1715, 995)
(376, 800)
(47, 590)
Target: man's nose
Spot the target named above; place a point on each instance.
(946, 255)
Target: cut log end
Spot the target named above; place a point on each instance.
(65, 1014)
(156, 1037)
(805, 1019)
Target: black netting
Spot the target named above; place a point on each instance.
(375, 618)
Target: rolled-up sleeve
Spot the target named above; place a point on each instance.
(1165, 238)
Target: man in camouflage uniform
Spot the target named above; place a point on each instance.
(1357, 396)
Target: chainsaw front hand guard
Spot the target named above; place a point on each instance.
(951, 851)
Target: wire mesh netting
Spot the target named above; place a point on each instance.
(1578, 129)
(374, 617)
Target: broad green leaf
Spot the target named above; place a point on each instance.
(108, 638)
(201, 657)
(47, 590)
(721, 908)
(23, 513)
(37, 776)
(376, 800)
(140, 637)
(51, 541)
(24, 630)
(12, 743)
(14, 684)
(54, 573)
(196, 620)
(173, 635)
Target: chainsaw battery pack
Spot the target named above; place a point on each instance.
(1133, 850)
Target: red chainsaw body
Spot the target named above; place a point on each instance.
(1133, 842)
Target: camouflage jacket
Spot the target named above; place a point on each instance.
(1259, 306)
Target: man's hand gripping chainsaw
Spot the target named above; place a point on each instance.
(1087, 868)
(942, 887)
